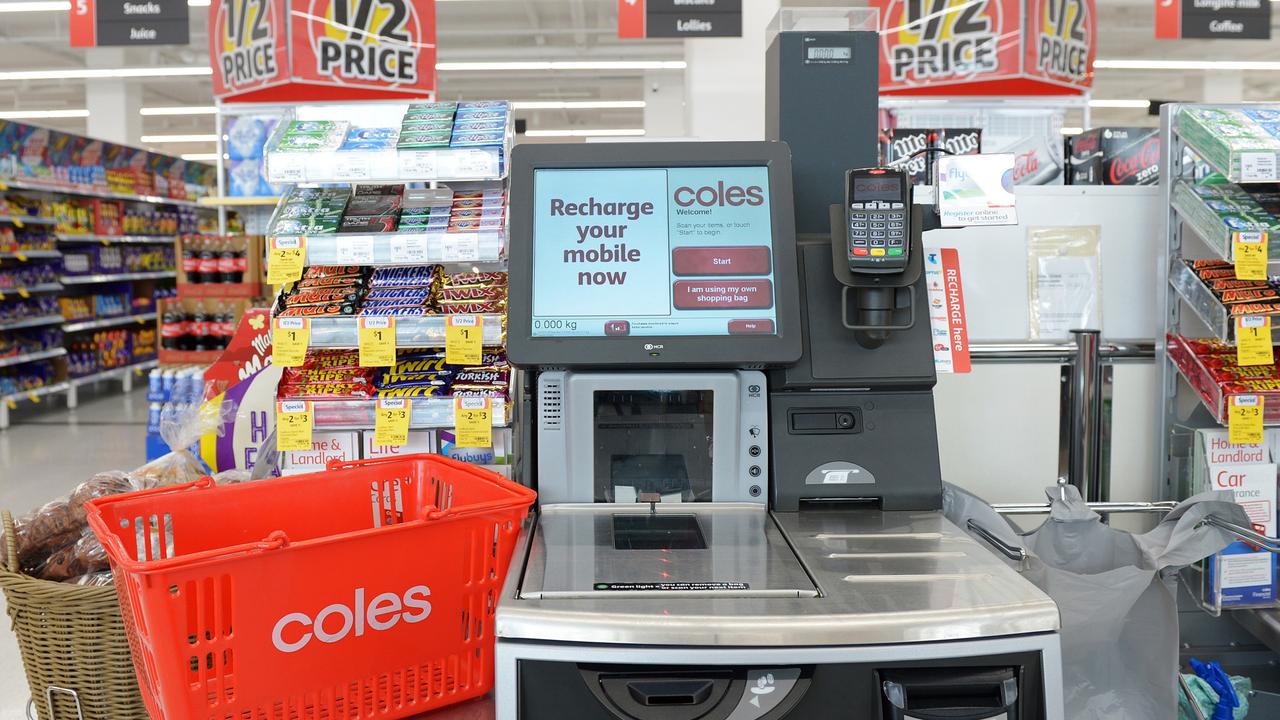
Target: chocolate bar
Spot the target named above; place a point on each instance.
(369, 223)
(1230, 297)
(413, 392)
(394, 311)
(473, 308)
(1255, 308)
(327, 389)
(475, 278)
(472, 293)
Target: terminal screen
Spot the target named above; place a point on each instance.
(681, 251)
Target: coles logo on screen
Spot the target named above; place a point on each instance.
(718, 195)
(338, 621)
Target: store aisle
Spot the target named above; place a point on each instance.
(44, 456)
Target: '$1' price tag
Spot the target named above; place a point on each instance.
(289, 341)
(473, 422)
(377, 341)
(294, 422)
(391, 424)
(285, 259)
(1250, 253)
(1253, 341)
(463, 340)
(1244, 419)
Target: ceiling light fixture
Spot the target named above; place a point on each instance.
(604, 132)
(1143, 104)
(179, 110)
(148, 139)
(577, 104)
(1187, 65)
(562, 65)
(98, 74)
(42, 114)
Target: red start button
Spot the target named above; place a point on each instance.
(748, 327)
(722, 293)
(721, 261)
(617, 327)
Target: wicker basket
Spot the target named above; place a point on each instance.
(73, 645)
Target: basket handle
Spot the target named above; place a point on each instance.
(10, 543)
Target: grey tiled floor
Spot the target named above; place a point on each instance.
(44, 455)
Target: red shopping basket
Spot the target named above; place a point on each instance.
(365, 591)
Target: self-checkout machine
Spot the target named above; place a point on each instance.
(732, 436)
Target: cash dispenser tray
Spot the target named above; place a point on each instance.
(609, 551)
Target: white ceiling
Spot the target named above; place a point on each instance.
(498, 30)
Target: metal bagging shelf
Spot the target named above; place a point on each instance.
(425, 412)
(411, 332)
(483, 250)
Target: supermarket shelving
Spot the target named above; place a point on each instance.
(340, 414)
(111, 239)
(411, 332)
(31, 322)
(10, 402)
(72, 387)
(32, 357)
(25, 255)
(484, 250)
(11, 183)
(23, 220)
(118, 277)
(83, 325)
(231, 201)
(389, 166)
(30, 290)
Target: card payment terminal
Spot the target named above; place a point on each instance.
(878, 218)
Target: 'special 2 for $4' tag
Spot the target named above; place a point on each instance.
(1253, 340)
(1244, 419)
(294, 421)
(1250, 254)
(285, 259)
(391, 423)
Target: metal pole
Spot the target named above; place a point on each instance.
(1084, 466)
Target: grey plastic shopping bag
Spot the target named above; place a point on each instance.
(1116, 594)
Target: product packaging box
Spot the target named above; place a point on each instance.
(498, 454)
(325, 446)
(1116, 156)
(1240, 576)
(420, 441)
(897, 144)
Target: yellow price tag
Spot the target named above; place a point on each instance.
(293, 425)
(1250, 253)
(377, 341)
(1244, 419)
(285, 259)
(473, 422)
(33, 397)
(289, 339)
(24, 293)
(11, 403)
(391, 422)
(463, 336)
(17, 222)
(20, 257)
(1253, 340)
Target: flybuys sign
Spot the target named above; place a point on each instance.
(323, 49)
(1213, 19)
(987, 47)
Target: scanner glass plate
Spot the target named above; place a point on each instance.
(652, 442)
(610, 553)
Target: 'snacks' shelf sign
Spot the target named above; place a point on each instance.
(313, 50)
(987, 47)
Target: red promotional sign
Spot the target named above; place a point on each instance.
(83, 24)
(247, 46)
(631, 18)
(1168, 19)
(1061, 41)
(986, 47)
(957, 323)
(322, 49)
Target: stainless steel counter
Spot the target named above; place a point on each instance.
(880, 578)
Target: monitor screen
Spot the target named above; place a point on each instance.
(652, 251)
(871, 187)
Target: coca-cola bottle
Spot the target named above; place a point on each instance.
(183, 323)
(171, 329)
(226, 326)
(227, 263)
(199, 329)
(209, 262)
(191, 261)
